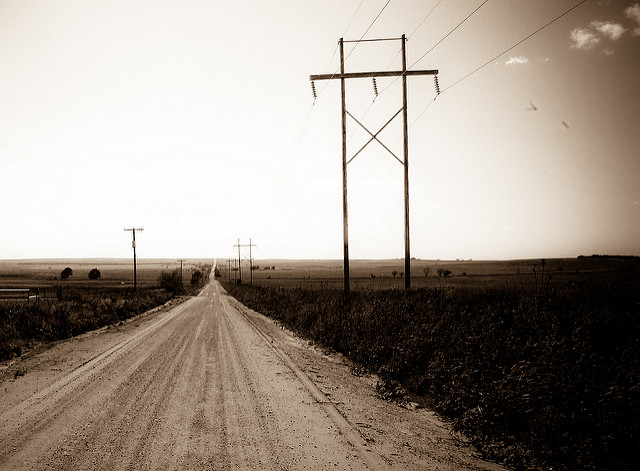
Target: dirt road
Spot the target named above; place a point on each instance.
(209, 384)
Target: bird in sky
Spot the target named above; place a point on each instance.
(564, 123)
(532, 107)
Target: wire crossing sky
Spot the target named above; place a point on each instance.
(196, 121)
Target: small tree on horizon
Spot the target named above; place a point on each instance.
(95, 274)
(66, 273)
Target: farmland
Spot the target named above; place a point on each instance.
(539, 368)
(379, 274)
(115, 273)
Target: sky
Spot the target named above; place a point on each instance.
(195, 120)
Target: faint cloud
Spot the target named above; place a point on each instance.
(608, 52)
(592, 35)
(613, 31)
(517, 60)
(633, 12)
(583, 38)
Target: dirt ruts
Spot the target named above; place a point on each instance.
(209, 384)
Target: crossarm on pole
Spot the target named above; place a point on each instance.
(385, 73)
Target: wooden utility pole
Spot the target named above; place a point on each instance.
(405, 162)
(405, 132)
(239, 266)
(239, 245)
(133, 244)
(181, 260)
(250, 263)
(345, 219)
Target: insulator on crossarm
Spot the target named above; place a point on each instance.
(375, 87)
(435, 81)
(313, 90)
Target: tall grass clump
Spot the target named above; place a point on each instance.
(545, 379)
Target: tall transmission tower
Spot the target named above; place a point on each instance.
(404, 73)
(133, 244)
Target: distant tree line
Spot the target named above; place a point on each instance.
(619, 257)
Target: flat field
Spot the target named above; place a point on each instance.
(45, 274)
(379, 274)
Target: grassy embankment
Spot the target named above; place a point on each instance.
(546, 378)
(72, 308)
(77, 311)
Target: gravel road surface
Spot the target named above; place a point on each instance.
(209, 384)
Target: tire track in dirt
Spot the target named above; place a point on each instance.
(372, 460)
(196, 389)
(30, 421)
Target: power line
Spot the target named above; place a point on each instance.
(358, 41)
(367, 30)
(343, 34)
(436, 45)
(423, 20)
(390, 63)
(316, 95)
(450, 32)
(350, 21)
(404, 162)
(409, 37)
(514, 46)
(494, 58)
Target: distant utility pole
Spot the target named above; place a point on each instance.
(181, 260)
(133, 244)
(239, 245)
(342, 76)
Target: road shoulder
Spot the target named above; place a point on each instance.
(409, 437)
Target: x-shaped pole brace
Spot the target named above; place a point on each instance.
(375, 136)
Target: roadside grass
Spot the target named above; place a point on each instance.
(74, 312)
(65, 309)
(544, 379)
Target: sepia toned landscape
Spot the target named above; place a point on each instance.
(320, 235)
(539, 347)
